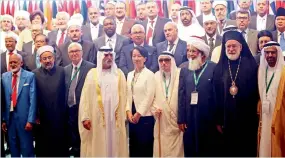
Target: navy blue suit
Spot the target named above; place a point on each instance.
(200, 132)
(180, 53)
(126, 62)
(24, 112)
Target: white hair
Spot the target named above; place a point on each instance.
(74, 44)
(138, 25)
(67, 16)
(12, 35)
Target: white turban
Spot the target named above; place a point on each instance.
(209, 18)
(13, 35)
(73, 22)
(220, 2)
(7, 16)
(200, 44)
(45, 48)
(22, 13)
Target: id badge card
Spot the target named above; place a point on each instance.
(194, 98)
(266, 107)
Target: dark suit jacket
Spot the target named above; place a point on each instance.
(89, 53)
(200, 19)
(120, 42)
(233, 15)
(228, 22)
(275, 35)
(126, 62)
(4, 62)
(180, 54)
(52, 38)
(218, 41)
(84, 68)
(86, 29)
(126, 29)
(158, 34)
(270, 22)
(29, 57)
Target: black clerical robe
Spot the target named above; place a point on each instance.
(52, 112)
(237, 115)
(200, 133)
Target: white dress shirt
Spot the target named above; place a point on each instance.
(174, 47)
(73, 73)
(246, 34)
(119, 26)
(261, 22)
(94, 31)
(17, 86)
(7, 57)
(112, 42)
(59, 32)
(147, 28)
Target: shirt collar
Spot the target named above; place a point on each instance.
(214, 37)
(14, 51)
(18, 73)
(175, 42)
(153, 19)
(122, 21)
(259, 17)
(112, 38)
(139, 45)
(92, 25)
(78, 65)
(60, 31)
(246, 30)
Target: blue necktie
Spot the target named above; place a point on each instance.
(282, 41)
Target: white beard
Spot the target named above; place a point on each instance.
(233, 56)
(14, 70)
(195, 64)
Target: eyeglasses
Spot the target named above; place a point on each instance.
(74, 51)
(166, 60)
(242, 18)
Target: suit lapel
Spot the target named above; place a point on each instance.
(125, 24)
(9, 79)
(81, 72)
(4, 61)
(100, 30)
(218, 40)
(157, 26)
(118, 44)
(177, 51)
(21, 83)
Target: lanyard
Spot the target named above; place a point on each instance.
(197, 79)
(75, 74)
(166, 87)
(267, 86)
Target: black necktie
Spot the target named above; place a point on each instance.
(211, 44)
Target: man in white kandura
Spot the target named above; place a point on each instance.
(168, 139)
(102, 109)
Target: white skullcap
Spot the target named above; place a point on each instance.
(77, 17)
(13, 35)
(73, 22)
(220, 2)
(112, 2)
(209, 18)
(200, 44)
(22, 13)
(45, 48)
(7, 16)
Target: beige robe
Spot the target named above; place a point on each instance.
(94, 143)
(278, 122)
(216, 54)
(171, 138)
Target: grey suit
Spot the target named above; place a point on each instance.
(252, 41)
(120, 42)
(29, 58)
(275, 35)
(127, 25)
(228, 22)
(158, 33)
(233, 15)
(74, 137)
(52, 36)
(89, 53)
(270, 22)
(126, 63)
(200, 19)
(218, 41)
(180, 54)
(86, 29)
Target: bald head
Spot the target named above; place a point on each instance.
(36, 29)
(138, 34)
(94, 14)
(170, 31)
(15, 62)
(174, 11)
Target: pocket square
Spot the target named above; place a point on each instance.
(26, 84)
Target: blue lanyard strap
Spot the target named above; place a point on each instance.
(196, 80)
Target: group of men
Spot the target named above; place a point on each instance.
(65, 89)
